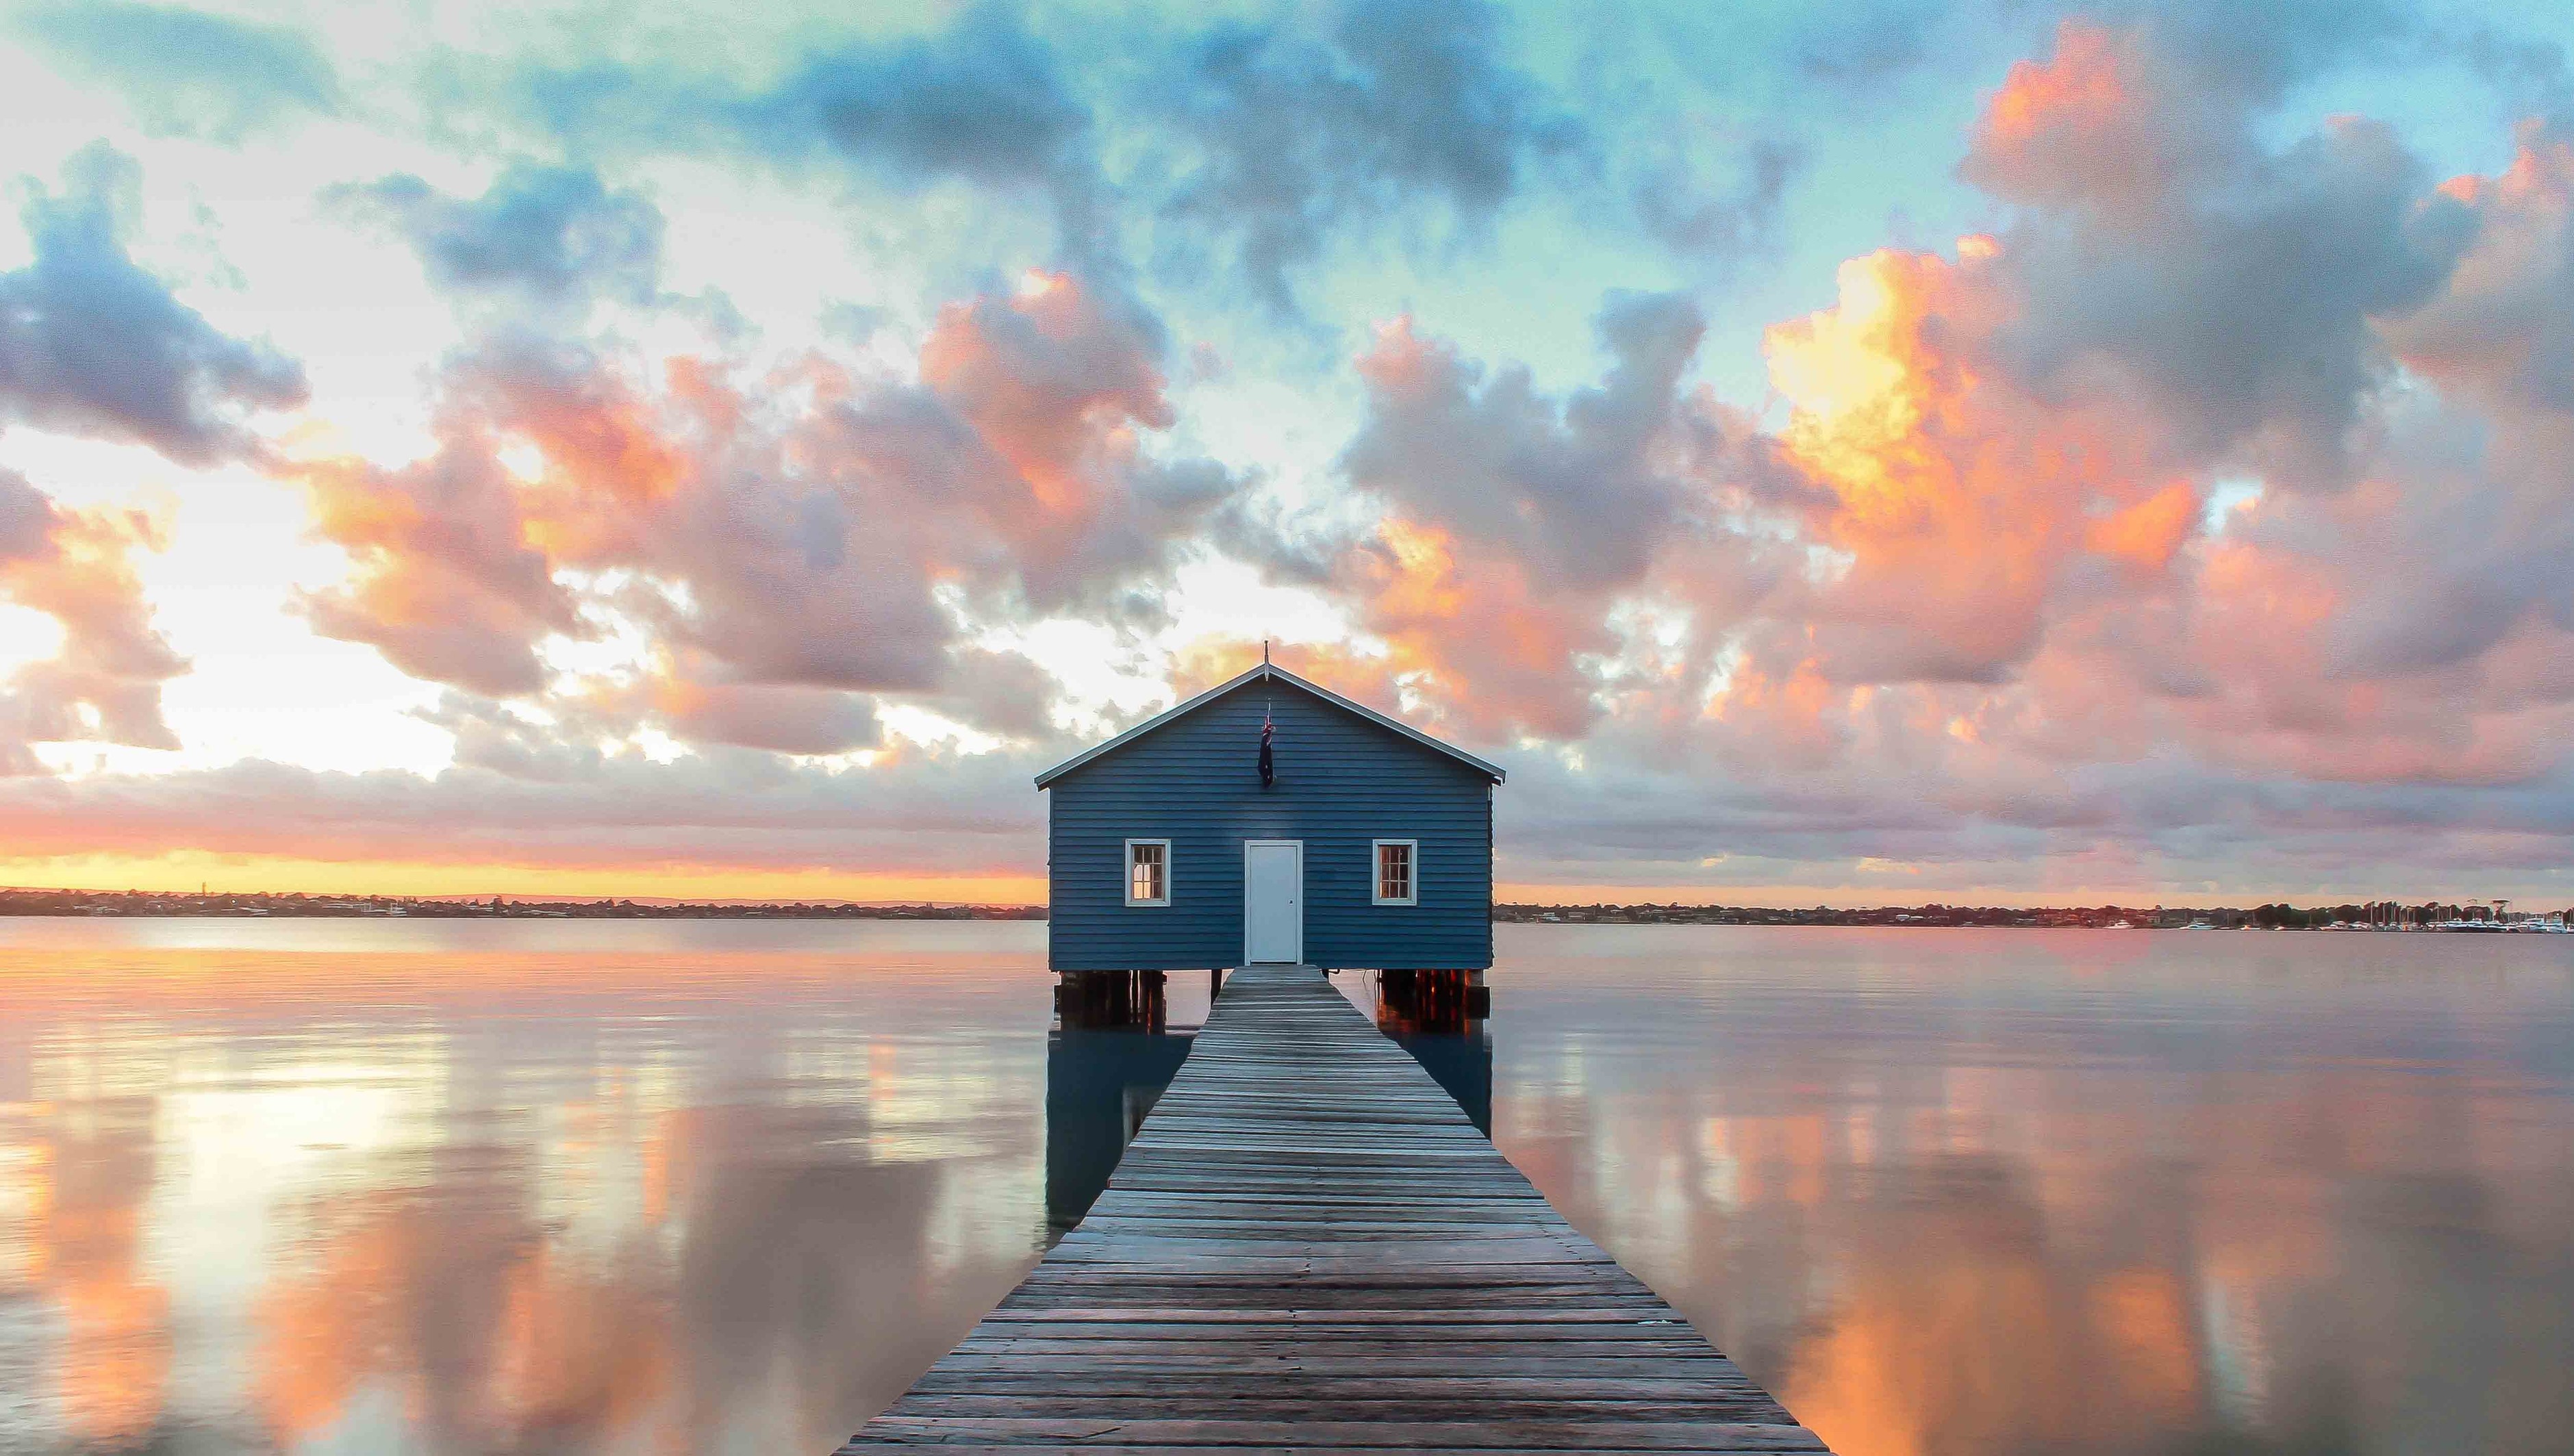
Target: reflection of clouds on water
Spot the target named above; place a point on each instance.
(506, 1202)
(1944, 1192)
(1943, 1198)
(1958, 1325)
(493, 1337)
(2239, 1357)
(90, 1174)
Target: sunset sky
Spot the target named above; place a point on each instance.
(1874, 453)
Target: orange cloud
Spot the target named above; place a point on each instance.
(2083, 127)
(1051, 423)
(797, 540)
(1961, 501)
(104, 683)
(2147, 534)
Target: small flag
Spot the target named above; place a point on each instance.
(1268, 755)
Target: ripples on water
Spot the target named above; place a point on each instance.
(601, 1185)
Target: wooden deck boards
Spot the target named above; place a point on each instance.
(1308, 1246)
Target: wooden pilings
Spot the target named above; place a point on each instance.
(1099, 998)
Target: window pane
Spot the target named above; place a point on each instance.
(1394, 872)
(1144, 872)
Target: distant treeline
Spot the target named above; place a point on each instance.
(2379, 914)
(2374, 915)
(145, 903)
(2095, 916)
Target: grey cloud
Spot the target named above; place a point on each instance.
(1295, 136)
(1254, 143)
(1738, 222)
(497, 737)
(779, 717)
(2467, 542)
(1638, 812)
(27, 519)
(187, 73)
(1006, 693)
(1863, 46)
(2255, 48)
(2531, 75)
(1019, 384)
(1496, 528)
(1577, 488)
(980, 100)
(2238, 285)
(92, 345)
(472, 652)
(540, 235)
(46, 699)
(927, 812)
(2504, 332)
(2473, 548)
(2258, 49)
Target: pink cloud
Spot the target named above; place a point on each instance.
(104, 683)
(786, 536)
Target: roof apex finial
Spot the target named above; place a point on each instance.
(1264, 652)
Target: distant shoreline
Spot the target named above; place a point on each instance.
(2380, 915)
(140, 904)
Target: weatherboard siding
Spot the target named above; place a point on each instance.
(1342, 784)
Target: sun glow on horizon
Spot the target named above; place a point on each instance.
(186, 871)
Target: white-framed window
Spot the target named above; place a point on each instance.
(1398, 872)
(1148, 871)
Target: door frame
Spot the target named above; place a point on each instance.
(1247, 846)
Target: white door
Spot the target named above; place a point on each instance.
(1273, 900)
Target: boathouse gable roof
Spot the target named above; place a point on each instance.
(1268, 672)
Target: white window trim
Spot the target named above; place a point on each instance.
(1376, 872)
(1126, 875)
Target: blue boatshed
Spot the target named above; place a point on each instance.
(1270, 819)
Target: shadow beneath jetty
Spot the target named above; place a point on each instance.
(1111, 1052)
(1438, 1017)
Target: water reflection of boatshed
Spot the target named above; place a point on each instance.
(1100, 1082)
(1267, 820)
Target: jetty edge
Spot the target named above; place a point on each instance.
(1309, 1247)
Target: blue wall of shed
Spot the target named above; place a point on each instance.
(1343, 782)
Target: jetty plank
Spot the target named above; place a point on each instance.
(1308, 1246)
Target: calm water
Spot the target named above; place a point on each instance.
(584, 1186)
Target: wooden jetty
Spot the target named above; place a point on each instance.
(1308, 1246)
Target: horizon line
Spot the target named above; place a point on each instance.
(752, 902)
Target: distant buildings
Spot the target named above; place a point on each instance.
(2376, 915)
